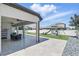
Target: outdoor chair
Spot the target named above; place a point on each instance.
(15, 36)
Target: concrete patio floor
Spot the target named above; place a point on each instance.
(52, 47)
(9, 46)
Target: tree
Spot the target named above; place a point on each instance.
(74, 21)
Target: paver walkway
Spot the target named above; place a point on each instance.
(52, 47)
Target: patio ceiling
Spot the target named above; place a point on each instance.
(15, 22)
(23, 23)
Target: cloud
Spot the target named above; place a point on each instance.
(59, 15)
(43, 10)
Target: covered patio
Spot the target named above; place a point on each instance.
(13, 16)
(9, 46)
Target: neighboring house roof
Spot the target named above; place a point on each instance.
(60, 23)
(17, 6)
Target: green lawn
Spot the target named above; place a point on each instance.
(30, 33)
(61, 37)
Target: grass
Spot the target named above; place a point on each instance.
(61, 37)
(30, 33)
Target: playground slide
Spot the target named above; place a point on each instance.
(47, 32)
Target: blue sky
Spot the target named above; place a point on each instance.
(53, 13)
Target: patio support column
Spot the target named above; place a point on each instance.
(23, 36)
(23, 32)
(37, 31)
(0, 34)
(17, 29)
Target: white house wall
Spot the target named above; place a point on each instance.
(8, 11)
(5, 24)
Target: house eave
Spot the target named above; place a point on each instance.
(17, 6)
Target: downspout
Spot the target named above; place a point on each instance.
(0, 35)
